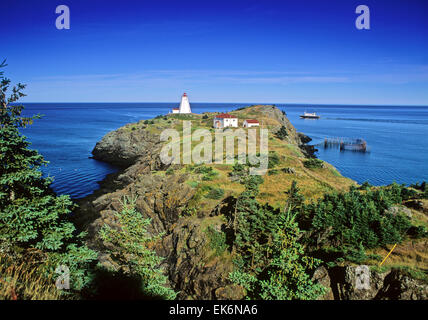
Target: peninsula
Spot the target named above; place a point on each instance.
(192, 207)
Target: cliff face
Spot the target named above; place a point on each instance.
(124, 147)
(193, 267)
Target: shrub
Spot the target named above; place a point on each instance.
(359, 218)
(239, 172)
(418, 231)
(288, 170)
(366, 185)
(205, 116)
(419, 186)
(169, 171)
(215, 194)
(208, 172)
(202, 169)
(282, 133)
(273, 172)
(313, 163)
(217, 240)
(356, 255)
(274, 159)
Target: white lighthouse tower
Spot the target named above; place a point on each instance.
(184, 104)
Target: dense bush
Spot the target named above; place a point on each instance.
(208, 173)
(359, 218)
(282, 133)
(313, 163)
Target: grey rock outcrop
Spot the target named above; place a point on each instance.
(124, 146)
(395, 284)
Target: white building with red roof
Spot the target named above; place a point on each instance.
(248, 123)
(224, 120)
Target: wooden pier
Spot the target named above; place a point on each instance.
(357, 144)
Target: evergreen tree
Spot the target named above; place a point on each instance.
(271, 263)
(359, 218)
(31, 215)
(132, 250)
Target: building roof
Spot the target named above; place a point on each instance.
(252, 121)
(224, 115)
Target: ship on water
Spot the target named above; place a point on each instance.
(309, 115)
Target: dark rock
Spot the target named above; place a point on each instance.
(124, 146)
(304, 138)
(421, 205)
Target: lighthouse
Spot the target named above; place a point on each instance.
(184, 104)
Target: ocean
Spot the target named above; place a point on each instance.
(397, 138)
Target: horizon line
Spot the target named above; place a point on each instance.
(249, 103)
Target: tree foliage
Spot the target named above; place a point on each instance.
(31, 215)
(271, 263)
(132, 250)
(356, 217)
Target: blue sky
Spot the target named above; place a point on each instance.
(218, 51)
